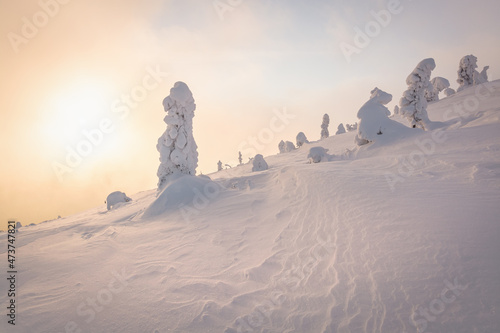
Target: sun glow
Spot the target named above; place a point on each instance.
(74, 109)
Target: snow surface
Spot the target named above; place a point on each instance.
(339, 246)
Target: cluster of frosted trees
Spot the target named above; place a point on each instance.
(178, 149)
(421, 90)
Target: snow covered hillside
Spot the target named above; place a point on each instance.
(394, 236)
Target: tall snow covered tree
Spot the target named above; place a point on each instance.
(219, 166)
(413, 104)
(178, 150)
(240, 157)
(324, 126)
(467, 73)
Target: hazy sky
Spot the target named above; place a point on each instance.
(88, 78)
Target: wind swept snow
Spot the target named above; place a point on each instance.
(393, 237)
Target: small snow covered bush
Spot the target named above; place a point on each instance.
(350, 128)
(177, 148)
(259, 164)
(413, 104)
(317, 154)
(301, 139)
(324, 126)
(115, 198)
(340, 129)
(468, 75)
(448, 92)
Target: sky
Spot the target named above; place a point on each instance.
(82, 82)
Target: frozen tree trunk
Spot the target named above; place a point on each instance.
(177, 148)
(324, 126)
(413, 104)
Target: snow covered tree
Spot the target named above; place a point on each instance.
(281, 146)
(467, 73)
(317, 154)
(259, 164)
(340, 129)
(219, 166)
(324, 126)
(482, 77)
(285, 147)
(413, 104)
(396, 109)
(240, 158)
(438, 84)
(301, 139)
(352, 127)
(375, 123)
(177, 148)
